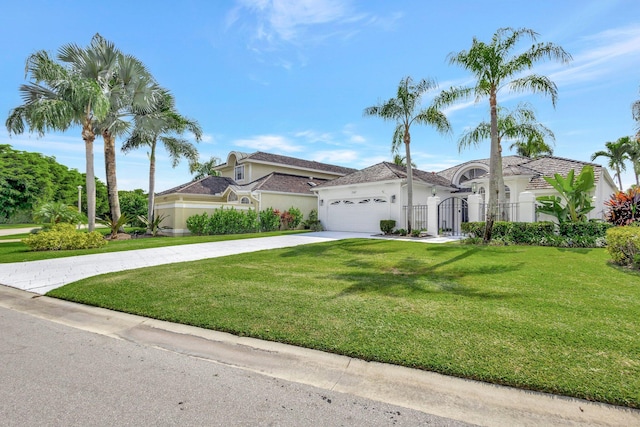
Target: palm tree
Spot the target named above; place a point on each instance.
(163, 123)
(56, 99)
(495, 66)
(635, 111)
(633, 151)
(402, 110)
(126, 82)
(202, 170)
(617, 154)
(532, 148)
(519, 124)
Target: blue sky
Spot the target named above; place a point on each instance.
(293, 76)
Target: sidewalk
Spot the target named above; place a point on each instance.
(459, 399)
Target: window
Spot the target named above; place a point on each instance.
(239, 173)
(379, 201)
(471, 174)
(347, 202)
(335, 202)
(362, 202)
(233, 197)
(245, 201)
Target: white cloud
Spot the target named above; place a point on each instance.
(268, 143)
(208, 138)
(336, 156)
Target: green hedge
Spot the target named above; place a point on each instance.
(623, 244)
(64, 237)
(581, 235)
(386, 225)
(223, 221)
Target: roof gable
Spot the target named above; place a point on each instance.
(386, 171)
(293, 162)
(209, 185)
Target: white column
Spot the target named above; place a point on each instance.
(432, 215)
(526, 207)
(474, 203)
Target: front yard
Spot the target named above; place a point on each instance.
(557, 320)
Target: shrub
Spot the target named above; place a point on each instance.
(312, 222)
(57, 212)
(223, 221)
(63, 237)
(295, 217)
(402, 232)
(269, 220)
(624, 208)
(197, 224)
(386, 225)
(623, 244)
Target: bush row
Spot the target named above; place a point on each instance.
(232, 221)
(64, 237)
(577, 234)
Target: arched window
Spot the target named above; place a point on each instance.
(245, 201)
(470, 174)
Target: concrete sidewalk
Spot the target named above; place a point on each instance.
(464, 400)
(42, 276)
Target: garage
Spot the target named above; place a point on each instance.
(359, 215)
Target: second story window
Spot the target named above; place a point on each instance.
(239, 173)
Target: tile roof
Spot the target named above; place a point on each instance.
(209, 185)
(260, 156)
(386, 171)
(284, 183)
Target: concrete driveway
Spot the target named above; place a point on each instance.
(42, 276)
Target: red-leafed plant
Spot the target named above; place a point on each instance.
(624, 207)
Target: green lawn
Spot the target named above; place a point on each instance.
(19, 252)
(10, 226)
(557, 320)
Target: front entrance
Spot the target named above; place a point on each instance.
(452, 212)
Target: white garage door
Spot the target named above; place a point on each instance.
(358, 215)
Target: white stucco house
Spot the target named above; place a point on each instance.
(443, 200)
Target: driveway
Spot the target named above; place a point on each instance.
(42, 276)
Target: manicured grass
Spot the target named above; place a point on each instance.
(556, 320)
(19, 252)
(10, 226)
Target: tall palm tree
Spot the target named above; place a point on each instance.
(57, 98)
(533, 147)
(127, 83)
(617, 154)
(163, 123)
(633, 151)
(204, 169)
(519, 124)
(402, 110)
(496, 66)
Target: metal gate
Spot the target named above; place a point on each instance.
(451, 213)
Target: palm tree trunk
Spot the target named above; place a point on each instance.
(90, 181)
(407, 146)
(110, 171)
(494, 169)
(152, 183)
(619, 177)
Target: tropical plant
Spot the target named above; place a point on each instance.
(127, 83)
(574, 202)
(624, 207)
(55, 99)
(64, 237)
(495, 66)
(617, 153)
(114, 224)
(163, 123)
(635, 112)
(204, 169)
(133, 203)
(154, 225)
(403, 110)
(57, 212)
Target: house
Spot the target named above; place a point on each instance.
(443, 200)
(247, 181)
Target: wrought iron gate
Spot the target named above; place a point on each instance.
(451, 213)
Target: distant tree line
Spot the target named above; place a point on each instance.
(30, 180)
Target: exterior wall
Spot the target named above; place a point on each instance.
(392, 209)
(283, 201)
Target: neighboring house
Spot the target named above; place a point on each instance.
(247, 181)
(442, 201)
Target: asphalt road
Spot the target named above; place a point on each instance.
(55, 375)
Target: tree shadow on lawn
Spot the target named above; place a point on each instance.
(412, 276)
(353, 246)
